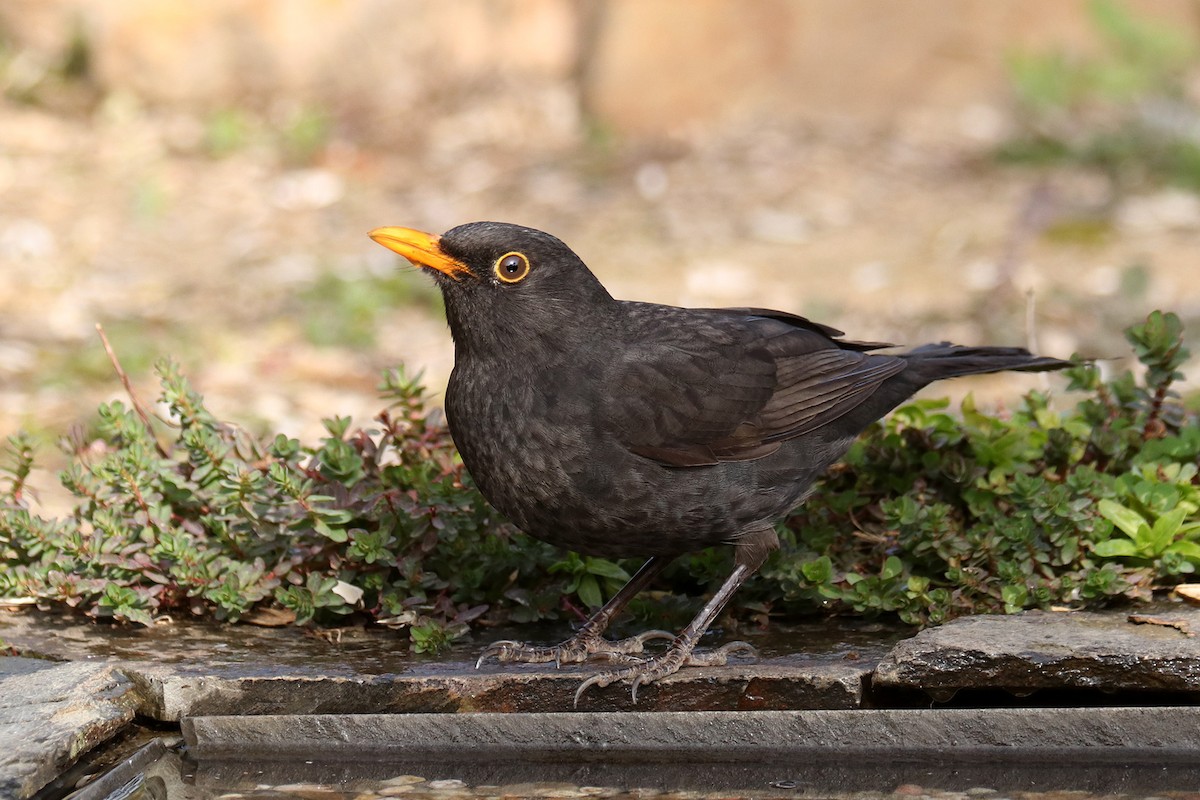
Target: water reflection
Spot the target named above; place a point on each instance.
(176, 776)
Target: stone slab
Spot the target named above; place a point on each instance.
(202, 669)
(1089, 734)
(52, 713)
(210, 670)
(1154, 650)
(116, 772)
(171, 695)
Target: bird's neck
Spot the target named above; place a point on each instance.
(555, 328)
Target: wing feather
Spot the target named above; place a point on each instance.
(698, 387)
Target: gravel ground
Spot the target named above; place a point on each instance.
(255, 272)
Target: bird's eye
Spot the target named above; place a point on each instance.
(512, 267)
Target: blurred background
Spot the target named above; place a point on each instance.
(200, 177)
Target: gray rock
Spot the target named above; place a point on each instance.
(50, 714)
(1047, 650)
(152, 772)
(1150, 734)
(211, 670)
(171, 694)
(204, 669)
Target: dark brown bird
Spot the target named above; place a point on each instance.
(622, 429)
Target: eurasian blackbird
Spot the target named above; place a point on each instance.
(620, 429)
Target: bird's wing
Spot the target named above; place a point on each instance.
(700, 387)
(797, 321)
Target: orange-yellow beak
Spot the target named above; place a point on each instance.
(422, 249)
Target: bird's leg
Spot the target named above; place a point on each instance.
(680, 650)
(752, 550)
(589, 639)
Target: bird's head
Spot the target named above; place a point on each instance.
(500, 279)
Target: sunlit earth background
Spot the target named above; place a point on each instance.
(200, 178)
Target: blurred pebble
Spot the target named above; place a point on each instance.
(981, 275)
(289, 269)
(26, 239)
(555, 188)
(716, 281)
(873, 275)
(16, 357)
(541, 789)
(447, 784)
(652, 180)
(1059, 342)
(8, 173)
(778, 227)
(1028, 278)
(832, 211)
(983, 123)
(403, 780)
(307, 189)
(29, 132)
(475, 175)
(1171, 209)
(183, 133)
(309, 791)
(1104, 281)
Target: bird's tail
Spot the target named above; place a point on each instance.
(934, 362)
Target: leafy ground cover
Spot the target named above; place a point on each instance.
(932, 515)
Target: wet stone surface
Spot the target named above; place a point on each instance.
(194, 669)
(1154, 651)
(1012, 735)
(1149, 657)
(50, 714)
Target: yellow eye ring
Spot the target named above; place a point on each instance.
(511, 267)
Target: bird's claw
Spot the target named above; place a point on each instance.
(648, 671)
(667, 663)
(575, 650)
(509, 650)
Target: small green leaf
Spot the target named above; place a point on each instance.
(589, 591)
(1164, 530)
(818, 571)
(606, 569)
(333, 534)
(892, 567)
(1132, 523)
(1014, 596)
(918, 585)
(1115, 548)
(1189, 550)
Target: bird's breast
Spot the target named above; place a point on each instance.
(538, 450)
(525, 438)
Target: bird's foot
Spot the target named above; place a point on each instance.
(579, 648)
(670, 661)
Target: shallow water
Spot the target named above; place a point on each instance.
(174, 775)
